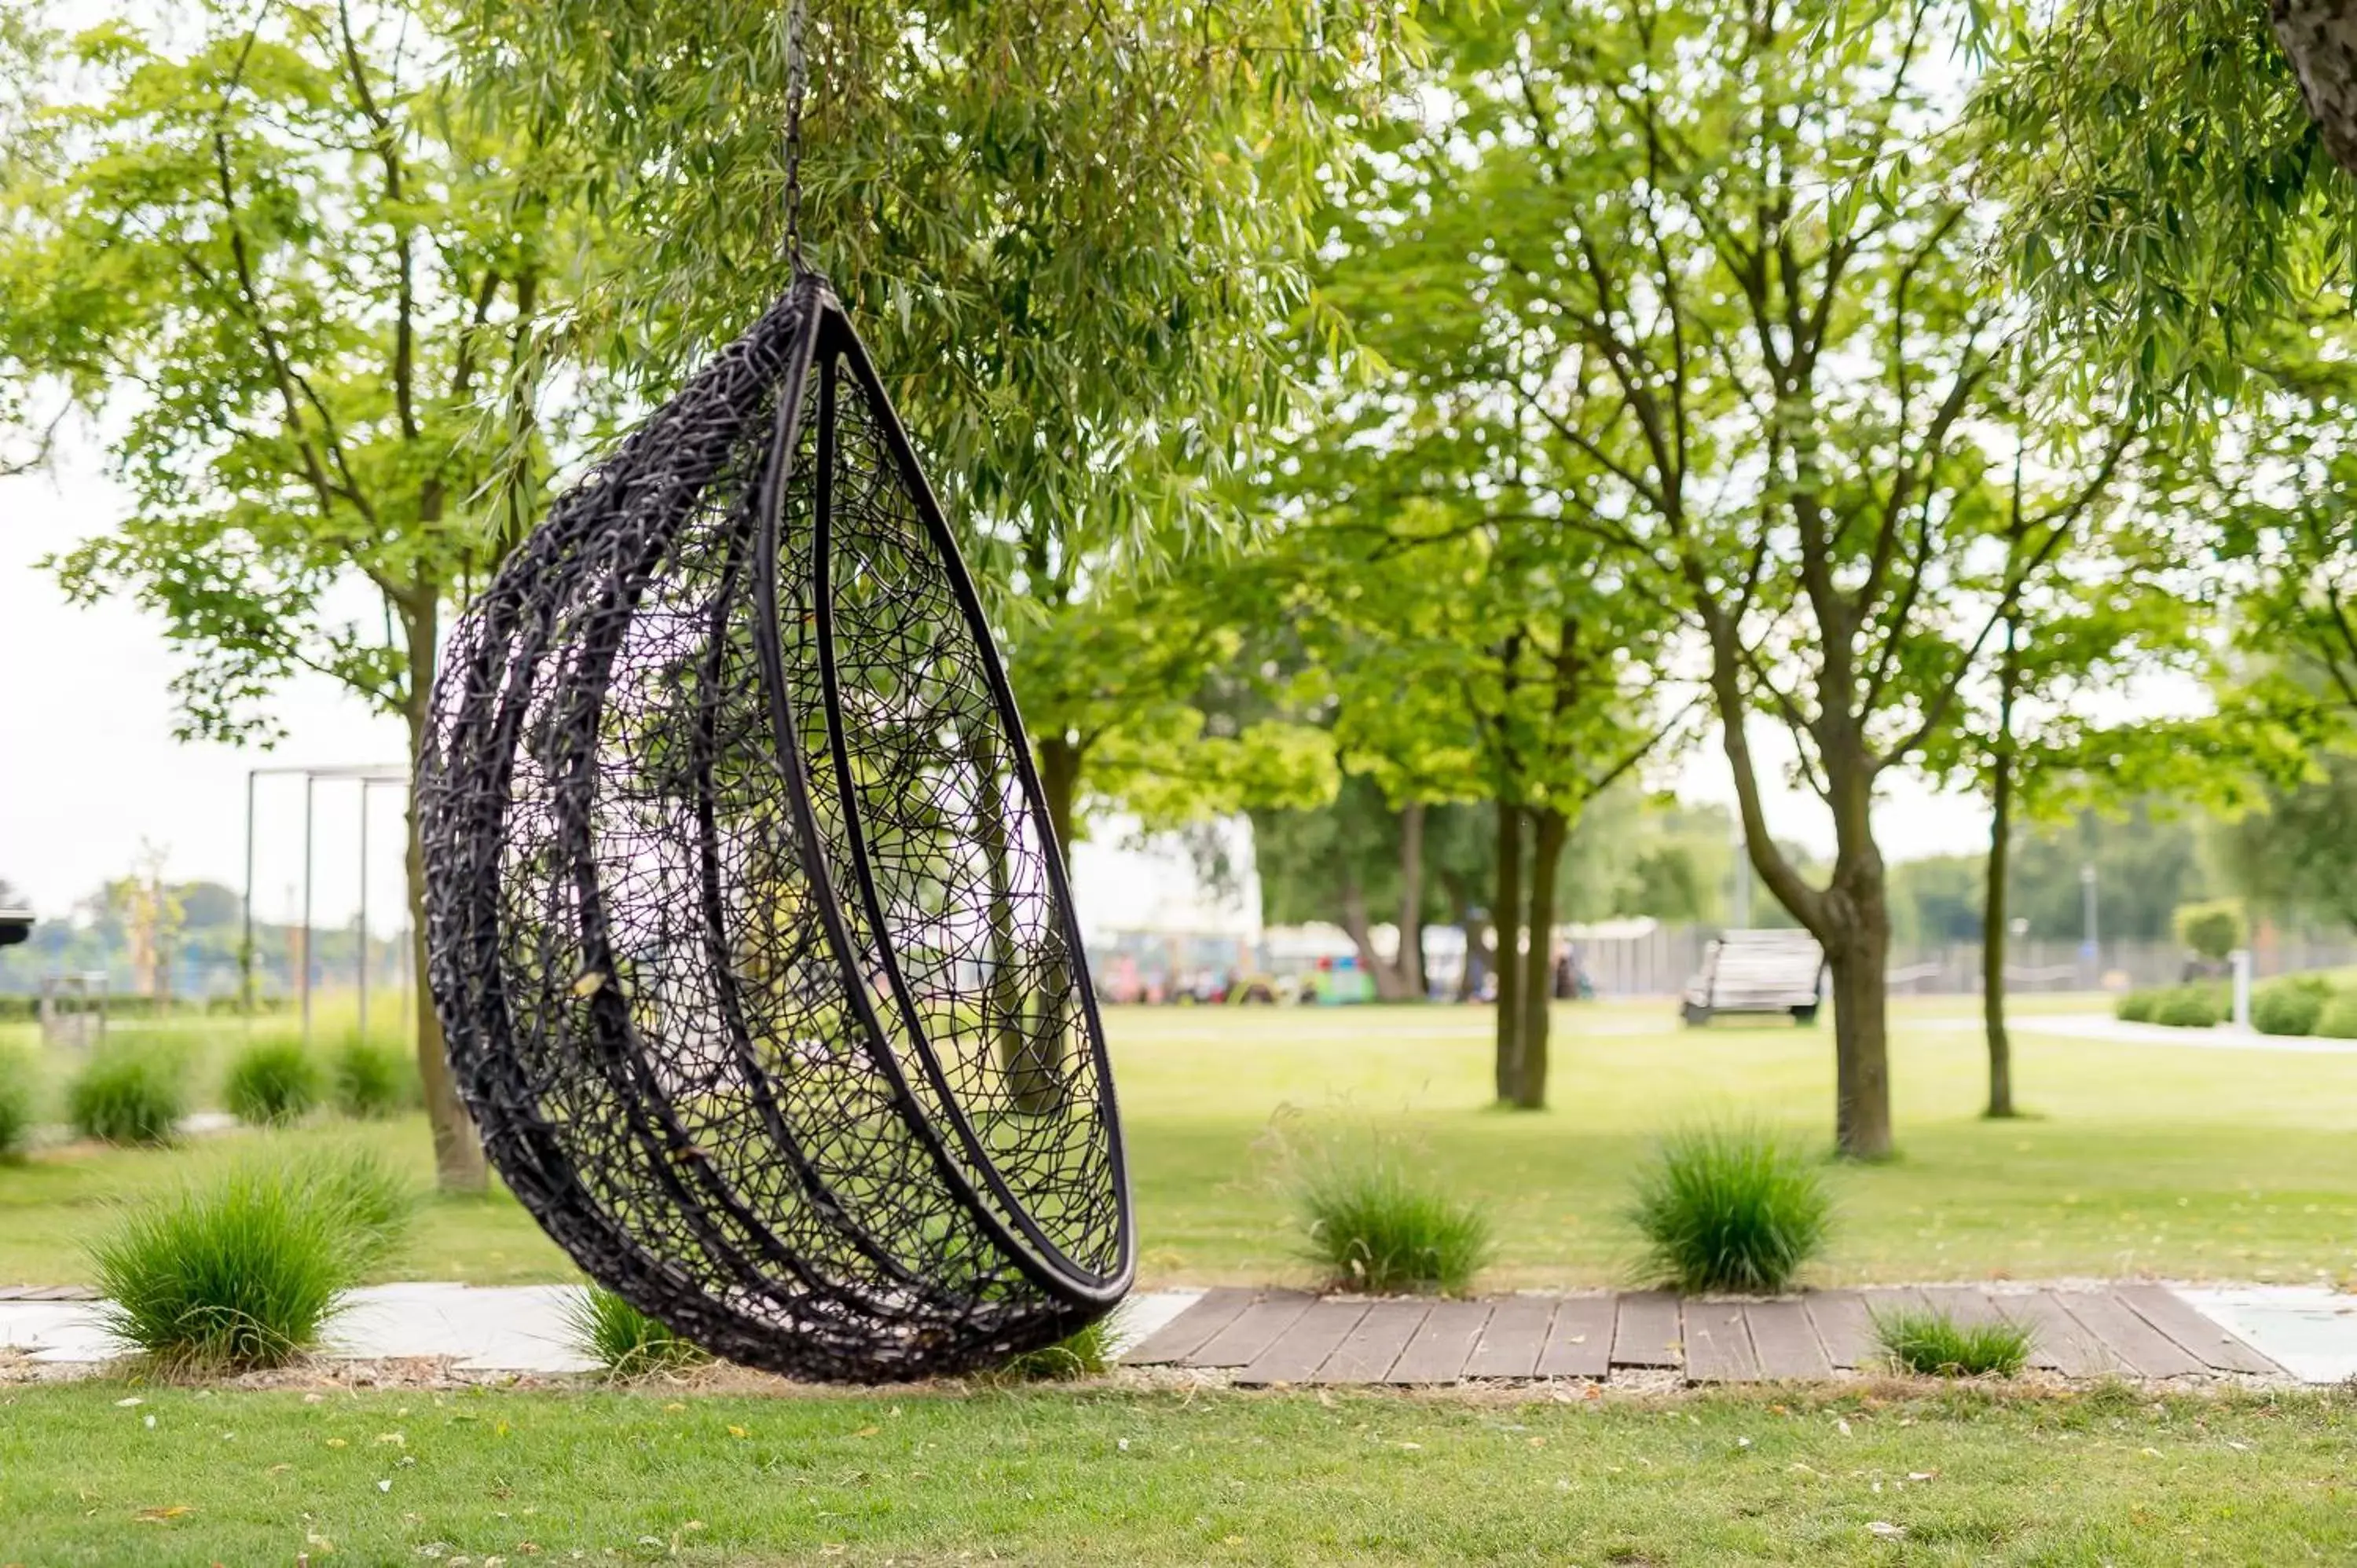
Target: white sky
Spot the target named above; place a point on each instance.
(89, 770)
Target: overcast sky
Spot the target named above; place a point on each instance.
(90, 772)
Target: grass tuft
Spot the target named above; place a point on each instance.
(1932, 1344)
(1729, 1210)
(128, 1096)
(244, 1272)
(624, 1340)
(1376, 1226)
(16, 1103)
(273, 1083)
(370, 1081)
(1085, 1352)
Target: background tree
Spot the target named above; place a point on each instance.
(319, 287)
(2295, 858)
(1722, 265)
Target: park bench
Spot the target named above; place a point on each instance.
(16, 924)
(1756, 971)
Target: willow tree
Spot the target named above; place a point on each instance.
(1067, 228)
(310, 288)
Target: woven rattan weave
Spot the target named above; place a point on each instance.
(748, 934)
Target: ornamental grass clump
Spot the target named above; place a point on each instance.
(625, 1341)
(274, 1083)
(127, 1095)
(1729, 1210)
(1085, 1352)
(1376, 1226)
(1934, 1345)
(16, 1103)
(244, 1272)
(369, 1081)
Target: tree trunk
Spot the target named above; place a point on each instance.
(1506, 920)
(1410, 962)
(1858, 953)
(1358, 924)
(459, 1165)
(1029, 1049)
(1059, 784)
(1550, 827)
(2320, 38)
(1993, 906)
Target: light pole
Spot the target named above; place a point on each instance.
(2089, 954)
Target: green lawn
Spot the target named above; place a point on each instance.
(2178, 1162)
(1062, 1476)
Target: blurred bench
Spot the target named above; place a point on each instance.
(1756, 971)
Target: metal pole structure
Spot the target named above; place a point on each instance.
(364, 915)
(310, 782)
(245, 953)
(2088, 951)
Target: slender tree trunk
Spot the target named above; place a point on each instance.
(1358, 924)
(1993, 903)
(1030, 1050)
(1060, 783)
(1506, 920)
(1549, 829)
(1410, 962)
(458, 1163)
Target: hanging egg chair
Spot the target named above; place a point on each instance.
(748, 932)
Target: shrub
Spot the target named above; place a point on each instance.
(1085, 1352)
(2189, 1007)
(2288, 1007)
(624, 1340)
(16, 1103)
(368, 1080)
(2213, 930)
(2340, 1019)
(1376, 1226)
(371, 1202)
(1935, 1345)
(1730, 1208)
(126, 1096)
(271, 1083)
(243, 1272)
(2136, 1007)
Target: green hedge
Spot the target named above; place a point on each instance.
(2292, 1006)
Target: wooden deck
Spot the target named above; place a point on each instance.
(1289, 1337)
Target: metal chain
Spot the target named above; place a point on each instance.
(797, 84)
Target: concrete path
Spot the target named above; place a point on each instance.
(1270, 1337)
(486, 1329)
(2120, 1031)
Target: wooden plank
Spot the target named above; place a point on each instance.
(1580, 1341)
(1785, 1340)
(1884, 1303)
(1255, 1329)
(1514, 1337)
(1374, 1344)
(2212, 1342)
(1842, 1327)
(1718, 1343)
(1645, 1330)
(14, 1293)
(1302, 1347)
(60, 1293)
(2060, 1342)
(1188, 1332)
(1968, 1307)
(1443, 1344)
(2146, 1349)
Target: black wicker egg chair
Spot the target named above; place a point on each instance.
(748, 932)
